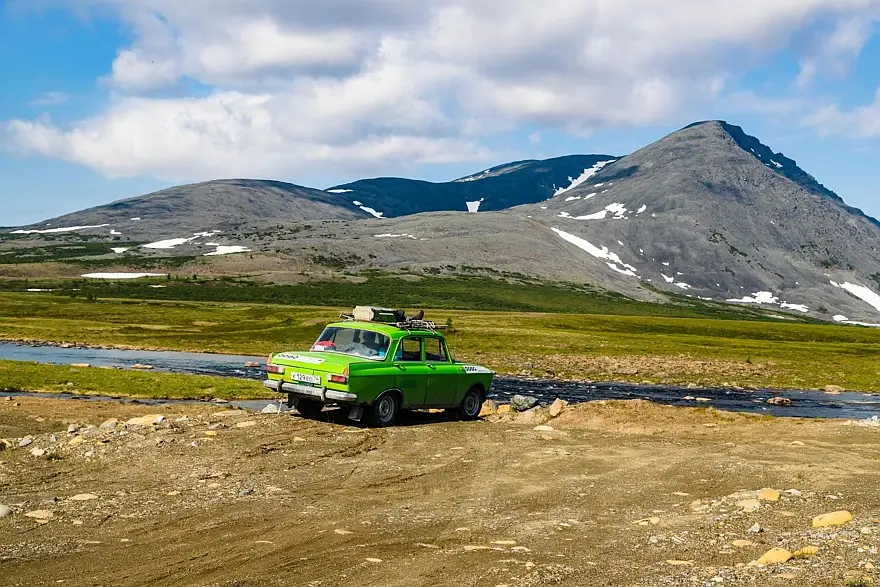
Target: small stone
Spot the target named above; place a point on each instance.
(543, 429)
(76, 441)
(83, 497)
(141, 367)
(299, 439)
(148, 420)
(26, 441)
(775, 556)
(38, 452)
(521, 549)
(521, 403)
(504, 409)
(783, 402)
(793, 493)
(374, 560)
(678, 563)
(797, 443)
(72, 429)
(749, 505)
(245, 492)
(271, 409)
(210, 433)
(472, 548)
(173, 493)
(834, 389)
(109, 424)
(769, 495)
(5, 511)
(342, 531)
(742, 543)
(246, 424)
(504, 542)
(490, 408)
(869, 566)
(756, 529)
(833, 519)
(557, 407)
(867, 531)
(806, 552)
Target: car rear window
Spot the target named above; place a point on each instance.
(435, 350)
(353, 341)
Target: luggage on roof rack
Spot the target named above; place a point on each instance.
(376, 314)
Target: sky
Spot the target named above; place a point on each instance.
(107, 99)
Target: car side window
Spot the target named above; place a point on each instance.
(435, 351)
(410, 350)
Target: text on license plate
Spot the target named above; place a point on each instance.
(303, 378)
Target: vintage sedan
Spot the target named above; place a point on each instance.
(378, 369)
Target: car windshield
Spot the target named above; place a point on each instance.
(353, 341)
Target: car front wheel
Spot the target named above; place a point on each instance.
(309, 408)
(471, 405)
(385, 410)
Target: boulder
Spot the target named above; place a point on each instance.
(806, 552)
(271, 409)
(783, 402)
(834, 389)
(504, 409)
(521, 403)
(832, 519)
(557, 407)
(775, 556)
(489, 408)
(769, 495)
(5, 511)
(148, 420)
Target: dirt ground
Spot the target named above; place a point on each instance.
(622, 494)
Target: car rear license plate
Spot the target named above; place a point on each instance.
(303, 378)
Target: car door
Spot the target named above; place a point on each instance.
(445, 377)
(411, 372)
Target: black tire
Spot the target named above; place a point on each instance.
(471, 405)
(309, 408)
(385, 410)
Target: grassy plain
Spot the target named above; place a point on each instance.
(645, 348)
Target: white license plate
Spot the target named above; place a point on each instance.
(303, 378)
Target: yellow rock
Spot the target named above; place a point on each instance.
(147, 420)
(76, 441)
(749, 505)
(769, 495)
(504, 409)
(869, 566)
(489, 408)
(210, 433)
(742, 543)
(833, 519)
(246, 424)
(676, 563)
(806, 552)
(775, 556)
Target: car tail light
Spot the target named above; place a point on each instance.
(270, 368)
(343, 379)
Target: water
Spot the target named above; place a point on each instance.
(806, 404)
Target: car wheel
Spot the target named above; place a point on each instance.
(309, 408)
(471, 404)
(385, 410)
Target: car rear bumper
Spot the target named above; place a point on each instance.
(320, 393)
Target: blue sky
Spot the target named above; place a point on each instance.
(106, 99)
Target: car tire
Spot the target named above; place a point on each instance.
(471, 405)
(309, 408)
(385, 410)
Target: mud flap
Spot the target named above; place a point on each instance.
(289, 400)
(356, 413)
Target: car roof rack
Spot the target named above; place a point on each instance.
(410, 324)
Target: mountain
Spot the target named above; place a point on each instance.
(211, 205)
(498, 188)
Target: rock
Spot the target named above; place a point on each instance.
(26, 441)
(833, 519)
(489, 408)
(38, 452)
(342, 531)
(374, 560)
(173, 493)
(504, 409)
(210, 433)
(793, 493)
(749, 505)
(40, 515)
(148, 420)
(521, 403)
(703, 400)
(543, 429)
(783, 402)
(769, 495)
(76, 441)
(246, 424)
(5, 444)
(252, 365)
(80, 365)
(756, 529)
(834, 389)
(109, 424)
(775, 556)
(742, 543)
(72, 429)
(806, 552)
(245, 492)
(271, 409)
(83, 497)
(557, 407)
(869, 566)
(141, 367)
(866, 531)
(5, 511)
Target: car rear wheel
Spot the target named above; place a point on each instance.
(309, 408)
(471, 404)
(385, 410)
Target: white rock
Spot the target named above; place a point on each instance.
(38, 452)
(72, 428)
(25, 441)
(543, 429)
(271, 409)
(83, 497)
(756, 529)
(5, 511)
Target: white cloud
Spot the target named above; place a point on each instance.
(50, 99)
(834, 52)
(294, 84)
(862, 122)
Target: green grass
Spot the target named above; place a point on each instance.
(660, 349)
(20, 376)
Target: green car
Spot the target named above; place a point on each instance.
(378, 369)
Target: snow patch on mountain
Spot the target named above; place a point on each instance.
(339, 191)
(227, 250)
(618, 210)
(57, 230)
(860, 291)
(122, 275)
(474, 207)
(404, 235)
(368, 210)
(586, 175)
(768, 298)
(612, 259)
